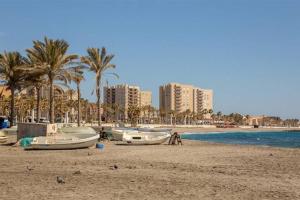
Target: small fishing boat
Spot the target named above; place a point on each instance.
(117, 133)
(3, 137)
(63, 141)
(145, 138)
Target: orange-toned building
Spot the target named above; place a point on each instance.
(4, 92)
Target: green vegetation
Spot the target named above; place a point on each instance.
(48, 64)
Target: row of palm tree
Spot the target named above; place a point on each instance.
(48, 63)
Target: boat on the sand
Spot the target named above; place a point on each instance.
(63, 142)
(145, 138)
(117, 133)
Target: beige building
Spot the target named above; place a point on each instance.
(181, 97)
(125, 96)
(145, 98)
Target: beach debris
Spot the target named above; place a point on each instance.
(131, 167)
(270, 154)
(77, 172)
(60, 180)
(114, 167)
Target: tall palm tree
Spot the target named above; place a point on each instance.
(37, 81)
(98, 63)
(51, 57)
(12, 74)
(77, 78)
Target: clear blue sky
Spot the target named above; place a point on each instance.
(247, 51)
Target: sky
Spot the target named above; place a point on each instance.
(247, 51)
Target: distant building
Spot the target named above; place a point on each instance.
(145, 98)
(59, 92)
(256, 120)
(125, 96)
(181, 97)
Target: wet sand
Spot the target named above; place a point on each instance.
(196, 170)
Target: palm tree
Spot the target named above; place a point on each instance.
(98, 63)
(77, 78)
(38, 81)
(52, 58)
(219, 115)
(12, 74)
(134, 113)
(172, 114)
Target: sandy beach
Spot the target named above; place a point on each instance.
(196, 170)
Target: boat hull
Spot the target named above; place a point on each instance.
(145, 138)
(117, 134)
(46, 144)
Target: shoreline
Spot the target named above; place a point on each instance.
(228, 130)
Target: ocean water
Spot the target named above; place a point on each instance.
(276, 139)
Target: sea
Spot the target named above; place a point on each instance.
(287, 139)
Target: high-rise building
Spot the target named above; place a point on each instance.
(181, 97)
(125, 96)
(145, 98)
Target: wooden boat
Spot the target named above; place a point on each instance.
(145, 138)
(63, 141)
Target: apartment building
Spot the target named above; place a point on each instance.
(181, 97)
(125, 96)
(145, 98)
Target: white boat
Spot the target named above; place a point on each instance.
(3, 137)
(117, 133)
(63, 141)
(78, 130)
(145, 138)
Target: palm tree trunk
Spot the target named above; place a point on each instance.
(51, 103)
(12, 106)
(79, 107)
(98, 102)
(38, 104)
(86, 112)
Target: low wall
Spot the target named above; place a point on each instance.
(35, 130)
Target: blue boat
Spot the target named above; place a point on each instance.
(4, 123)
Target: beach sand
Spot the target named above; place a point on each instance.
(196, 170)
